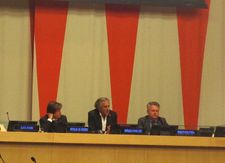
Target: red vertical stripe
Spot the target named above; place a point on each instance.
(122, 23)
(192, 26)
(50, 23)
(32, 13)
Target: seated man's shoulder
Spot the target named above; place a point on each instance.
(63, 117)
(162, 118)
(91, 112)
(44, 117)
(113, 112)
(143, 118)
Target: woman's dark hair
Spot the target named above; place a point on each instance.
(53, 106)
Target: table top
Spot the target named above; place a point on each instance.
(104, 139)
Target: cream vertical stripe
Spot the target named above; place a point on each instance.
(35, 99)
(156, 75)
(84, 72)
(212, 103)
(15, 60)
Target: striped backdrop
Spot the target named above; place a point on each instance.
(129, 53)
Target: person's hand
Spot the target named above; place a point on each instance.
(108, 129)
(50, 115)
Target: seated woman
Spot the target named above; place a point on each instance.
(53, 121)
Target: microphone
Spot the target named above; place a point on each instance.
(7, 113)
(2, 158)
(33, 159)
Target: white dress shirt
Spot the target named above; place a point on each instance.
(104, 121)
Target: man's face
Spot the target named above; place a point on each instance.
(104, 108)
(57, 114)
(153, 111)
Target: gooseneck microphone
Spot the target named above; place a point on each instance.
(2, 158)
(33, 159)
(7, 113)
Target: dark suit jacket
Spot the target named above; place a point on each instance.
(146, 123)
(54, 126)
(95, 123)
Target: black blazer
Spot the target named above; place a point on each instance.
(145, 123)
(95, 122)
(54, 126)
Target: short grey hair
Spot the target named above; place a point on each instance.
(99, 101)
(153, 103)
